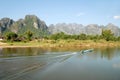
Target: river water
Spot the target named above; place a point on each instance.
(42, 64)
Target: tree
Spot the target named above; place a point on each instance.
(11, 36)
(107, 35)
(54, 36)
(60, 35)
(29, 35)
(82, 36)
(118, 38)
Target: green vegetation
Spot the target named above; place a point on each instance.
(29, 35)
(107, 38)
(11, 36)
(106, 35)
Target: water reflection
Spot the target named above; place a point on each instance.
(14, 52)
(107, 53)
(110, 53)
(104, 53)
(50, 64)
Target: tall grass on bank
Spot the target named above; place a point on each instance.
(62, 43)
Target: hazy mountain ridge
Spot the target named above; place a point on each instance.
(91, 29)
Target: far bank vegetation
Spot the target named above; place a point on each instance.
(106, 35)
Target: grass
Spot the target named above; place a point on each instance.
(62, 43)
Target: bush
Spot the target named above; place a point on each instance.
(11, 36)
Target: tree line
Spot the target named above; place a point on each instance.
(106, 35)
(29, 35)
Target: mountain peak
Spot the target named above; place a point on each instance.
(6, 22)
(30, 22)
(110, 24)
(30, 16)
(37, 26)
(91, 29)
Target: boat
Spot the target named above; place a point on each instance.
(85, 51)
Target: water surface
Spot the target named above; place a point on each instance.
(42, 64)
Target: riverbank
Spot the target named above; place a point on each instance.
(61, 43)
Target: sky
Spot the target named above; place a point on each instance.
(84, 12)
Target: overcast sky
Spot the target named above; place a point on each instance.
(83, 12)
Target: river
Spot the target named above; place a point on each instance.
(42, 64)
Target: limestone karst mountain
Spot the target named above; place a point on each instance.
(30, 22)
(39, 27)
(91, 29)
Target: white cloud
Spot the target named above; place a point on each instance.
(116, 17)
(80, 14)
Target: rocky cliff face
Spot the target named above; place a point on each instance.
(39, 28)
(67, 28)
(34, 21)
(5, 23)
(91, 29)
(30, 22)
